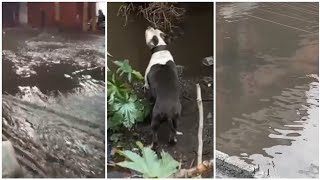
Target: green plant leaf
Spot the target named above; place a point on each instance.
(116, 89)
(129, 110)
(150, 159)
(168, 163)
(125, 68)
(137, 75)
(124, 108)
(139, 144)
(148, 163)
(115, 121)
(134, 165)
(115, 137)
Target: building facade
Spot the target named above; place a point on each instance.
(73, 15)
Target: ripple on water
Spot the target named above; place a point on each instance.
(291, 125)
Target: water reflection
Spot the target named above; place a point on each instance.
(267, 103)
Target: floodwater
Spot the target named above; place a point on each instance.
(52, 61)
(192, 44)
(268, 86)
(53, 99)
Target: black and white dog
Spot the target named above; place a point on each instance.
(161, 78)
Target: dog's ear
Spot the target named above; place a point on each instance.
(163, 36)
(166, 38)
(155, 40)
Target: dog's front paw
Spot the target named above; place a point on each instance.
(173, 141)
(145, 88)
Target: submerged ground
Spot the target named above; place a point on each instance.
(53, 101)
(268, 86)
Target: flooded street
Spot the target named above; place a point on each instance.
(54, 101)
(268, 86)
(192, 43)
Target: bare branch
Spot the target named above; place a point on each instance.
(162, 15)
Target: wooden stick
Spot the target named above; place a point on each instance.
(200, 129)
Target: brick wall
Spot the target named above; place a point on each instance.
(41, 14)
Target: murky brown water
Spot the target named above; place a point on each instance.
(267, 85)
(188, 50)
(193, 44)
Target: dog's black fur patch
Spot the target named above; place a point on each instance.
(155, 40)
(164, 89)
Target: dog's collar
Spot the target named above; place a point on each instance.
(159, 48)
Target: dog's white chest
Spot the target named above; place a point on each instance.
(161, 57)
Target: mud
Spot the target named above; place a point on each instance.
(185, 151)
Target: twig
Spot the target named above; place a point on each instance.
(162, 15)
(200, 129)
(192, 163)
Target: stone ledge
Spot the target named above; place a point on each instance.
(234, 167)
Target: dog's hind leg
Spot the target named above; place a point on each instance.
(155, 124)
(173, 131)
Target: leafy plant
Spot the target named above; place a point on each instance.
(148, 163)
(125, 68)
(124, 107)
(115, 137)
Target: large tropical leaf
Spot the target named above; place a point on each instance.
(134, 162)
(129, 111)
(148, 163)
(124, 108)
(168, 164)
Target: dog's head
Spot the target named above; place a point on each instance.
(154, 37)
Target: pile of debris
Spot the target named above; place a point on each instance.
(161, 15)
(43, 142)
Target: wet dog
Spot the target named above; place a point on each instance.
(161, 78)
